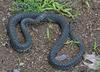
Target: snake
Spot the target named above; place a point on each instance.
(24, 19)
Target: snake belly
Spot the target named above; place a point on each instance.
(56, 46)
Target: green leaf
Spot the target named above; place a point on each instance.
(94, 45)
(87, 3)
(48, 33)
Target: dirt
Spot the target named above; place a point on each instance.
(86, 26)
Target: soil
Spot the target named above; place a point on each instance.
(86, 26)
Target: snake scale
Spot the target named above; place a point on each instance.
(24, 19)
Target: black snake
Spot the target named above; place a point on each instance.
(32, 18)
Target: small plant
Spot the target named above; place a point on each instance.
(95, 49)
(94, 46)
(92, 61)
(43, 5)
(98, 64)
(86, 3)
(48, 33)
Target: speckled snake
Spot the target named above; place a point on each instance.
(24, 19)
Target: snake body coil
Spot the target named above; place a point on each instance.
(57, 45)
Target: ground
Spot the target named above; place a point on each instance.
(86, 26)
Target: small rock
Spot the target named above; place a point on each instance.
(8, 14)
(96, 14)
(32, 62)
(3, 44)
(97, 29)
(11, 51)
(62, 57)
(34, 29)
(54, 39)
(15, 70)
(21, 64)
(3, 19)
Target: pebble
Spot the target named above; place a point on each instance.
(32, 62)
(62, 57)
(3, 44)
(11, 51)
(15, 70)
(9, 14)
(3, 19)
(97, 29)
(21, 64)
(96, 14)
